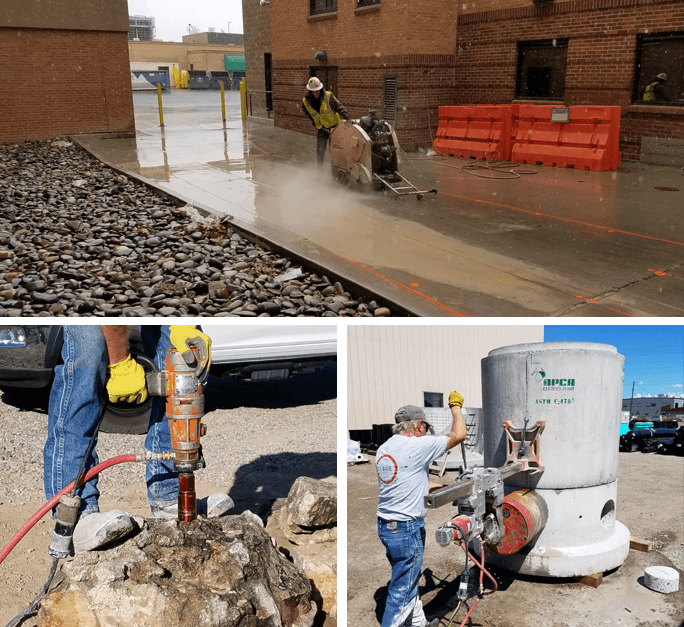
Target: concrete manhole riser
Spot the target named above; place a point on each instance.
(575, 388)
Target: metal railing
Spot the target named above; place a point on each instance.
(252, 94)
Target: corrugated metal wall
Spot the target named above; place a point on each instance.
(392, 365)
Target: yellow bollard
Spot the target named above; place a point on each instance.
(243, 98)
(223, 103)
(161, 112)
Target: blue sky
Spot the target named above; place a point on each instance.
(654, 354)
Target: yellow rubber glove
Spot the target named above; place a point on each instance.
(184, 338)
(127, 382)
(455, 400)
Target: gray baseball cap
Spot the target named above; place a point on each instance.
(411, 412)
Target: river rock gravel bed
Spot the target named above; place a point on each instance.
(79, 239)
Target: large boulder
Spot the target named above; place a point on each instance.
(305, 527)
(310, 512)
(221, 572)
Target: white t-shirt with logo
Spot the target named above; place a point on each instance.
(403, 464)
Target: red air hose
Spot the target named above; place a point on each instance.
(55, 499)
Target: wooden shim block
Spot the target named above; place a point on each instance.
(640, 545)
(594, 580)
(434, 486)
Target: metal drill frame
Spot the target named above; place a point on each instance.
(449, 495)
(524, 446)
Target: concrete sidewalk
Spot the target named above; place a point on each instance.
(559, 242)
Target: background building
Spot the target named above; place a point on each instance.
(68, 65)
(652, 406)
(212, 37)
(393, 365)
(191, 55)
(581, 52)
(405, 58)
(141, 28)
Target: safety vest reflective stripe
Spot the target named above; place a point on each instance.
(648, 93)
(325, 117)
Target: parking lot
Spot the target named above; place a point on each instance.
(650, 498)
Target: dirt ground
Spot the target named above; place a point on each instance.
(650, 503)
(259, 440)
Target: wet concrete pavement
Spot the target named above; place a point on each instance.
(559, 242)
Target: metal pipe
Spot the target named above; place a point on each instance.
(450, 494)
(161, 111)
(187, 505)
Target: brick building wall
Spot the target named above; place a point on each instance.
(64, 81)
(601, 57)
(423, 82)
(411, 40)
(67, 69)
(257, 26)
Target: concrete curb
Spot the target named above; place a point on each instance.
(309, 264)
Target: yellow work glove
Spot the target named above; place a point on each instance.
(126, 382)
(184, 338)
(455, 400)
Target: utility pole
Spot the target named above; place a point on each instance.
(631, 400)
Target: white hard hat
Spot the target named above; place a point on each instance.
(662, 76)
(314, 84)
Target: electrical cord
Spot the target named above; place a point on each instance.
(462, 581)
(484, 571)
(463, 587)
(29, 610)
(465, 547)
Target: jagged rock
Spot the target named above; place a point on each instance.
(321, 569)
(212, 573)
(310, 512)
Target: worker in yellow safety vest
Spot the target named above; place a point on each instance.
(655, 92)
(325, 111)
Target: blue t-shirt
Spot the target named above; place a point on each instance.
(403, 465)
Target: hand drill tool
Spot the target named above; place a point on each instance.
(182, 387)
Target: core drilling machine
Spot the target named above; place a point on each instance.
(182, 387)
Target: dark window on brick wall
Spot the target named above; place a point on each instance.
(327, 74)
(541, 69)
(366, 3)
(316, 7)
(656, 54)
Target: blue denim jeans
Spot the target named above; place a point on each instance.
(404, 546)
(75, 404)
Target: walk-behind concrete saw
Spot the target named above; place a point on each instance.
(365, 154)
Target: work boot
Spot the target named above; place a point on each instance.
(96, 529)
(213, 506)
(166, 511)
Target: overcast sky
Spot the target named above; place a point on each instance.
(171, 17)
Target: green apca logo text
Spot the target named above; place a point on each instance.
(551, 385)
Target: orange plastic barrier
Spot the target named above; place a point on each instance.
(474, 131)
(589, 141)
